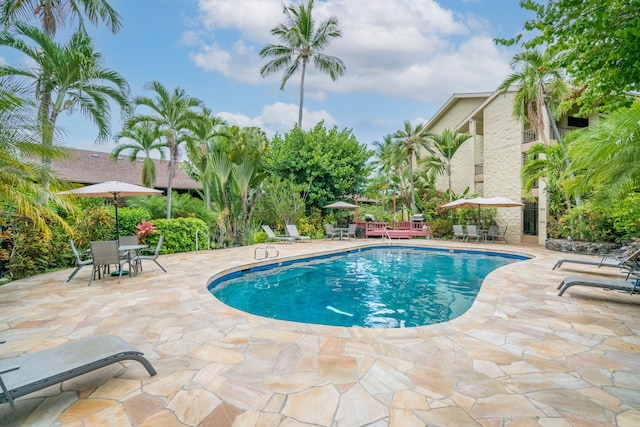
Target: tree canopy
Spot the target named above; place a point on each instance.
(331, 162)
(597, 42)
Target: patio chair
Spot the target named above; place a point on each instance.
(458, 232)
(622, 262)
(137, 259)
(25, 374)
(79, 261)
(503, 238)
(493, 232)
(105, 254)
(330, 232)
(351, 231)
(472, 233)
(632, 287)
(292, 231)
(271, 236)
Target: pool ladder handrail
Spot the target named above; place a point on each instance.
(266, 252)
(208, 239)
(386, 232)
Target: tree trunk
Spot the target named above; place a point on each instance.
(172, 169)
(304, 69)
(413, 198)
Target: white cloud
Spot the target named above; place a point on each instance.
(279, 117)
(400, 48)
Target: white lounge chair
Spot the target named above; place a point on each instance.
(599, 282)
(271, 236)
(292, 231)
(25, 374)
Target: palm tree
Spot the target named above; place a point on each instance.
(301, 43)
(174, 116)
(19, 177)
(53, 13)
(65, 78)
(441, 151)
(541, 90)
(408, 140)
(142, 138)
(201, 143)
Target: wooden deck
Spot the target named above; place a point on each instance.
(400, 230)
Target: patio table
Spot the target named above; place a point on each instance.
(133, 251)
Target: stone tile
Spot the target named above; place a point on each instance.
(358, 408)
(164, 418)
(314, 406)
(191, 407)
(505, 406)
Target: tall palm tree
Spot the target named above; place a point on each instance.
(174, 116)
(408, 140)
(142, 138)
(65, 78)
(52, 14)
(541, 91)
(302, 42)
(200, 145)
(441, 151)
(19, 176)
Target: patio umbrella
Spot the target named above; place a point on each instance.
(343, 205)
(479, 202)
(115, 189)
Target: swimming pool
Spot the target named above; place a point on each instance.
(373, 287)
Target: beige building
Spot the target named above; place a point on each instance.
(490, 162)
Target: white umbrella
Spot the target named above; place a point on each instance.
(115, 189)
(338, 205)
(479, 202)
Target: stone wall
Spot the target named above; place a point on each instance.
(586, 248)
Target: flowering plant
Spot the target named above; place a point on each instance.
(144, 230)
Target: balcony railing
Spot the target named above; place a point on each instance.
(479, 169)
(530, 135)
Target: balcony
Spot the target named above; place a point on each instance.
(479, 173)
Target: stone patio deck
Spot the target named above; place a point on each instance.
(521, 356)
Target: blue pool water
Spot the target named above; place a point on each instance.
(390, 287)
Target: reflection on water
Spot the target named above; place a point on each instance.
(378, 288)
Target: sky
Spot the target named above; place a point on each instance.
(404, 60)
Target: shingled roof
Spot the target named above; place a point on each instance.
(92, 167)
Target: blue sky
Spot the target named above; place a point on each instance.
(404, 59)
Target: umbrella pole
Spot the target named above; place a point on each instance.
(115, 201)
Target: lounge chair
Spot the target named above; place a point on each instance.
(605, 261)
(137, 259)
(292, 231)
(79, 261)
(472, 233)
(105, 254)
(458, 232)
(330, 232)
(25, 374)
(271, 236)
(599, 282)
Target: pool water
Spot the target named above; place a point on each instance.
(387, 287)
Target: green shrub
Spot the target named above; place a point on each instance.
(441, 227)
(179, 234)
(626, 217)
(128, 218)
(260, 237)
(589, 223)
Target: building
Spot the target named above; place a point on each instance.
(92, 167)
(490, 162)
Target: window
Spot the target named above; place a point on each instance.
(530, 219)
(577, 122)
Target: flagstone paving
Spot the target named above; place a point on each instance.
(521, 356)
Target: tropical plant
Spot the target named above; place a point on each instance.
(441, 151)
(64, 78)
(141, 138)
(302, 42)
(20, 176)
(605, 156)
(52, 14)
(408, 140)
(173, 115)
(597, 44)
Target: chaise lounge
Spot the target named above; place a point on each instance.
(605, 261)
(25, 374)
(271, 236)
(292, 231)
(599, 282)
